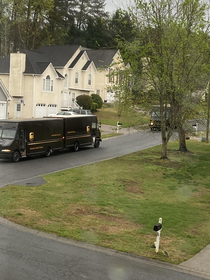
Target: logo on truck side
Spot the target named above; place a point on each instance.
(31, 136)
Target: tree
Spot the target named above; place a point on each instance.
(97, 99)
(85, 101)
(171, 41)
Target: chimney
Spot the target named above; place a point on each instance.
(17, 67)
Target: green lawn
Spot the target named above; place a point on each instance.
(116, 203)
(108, 115)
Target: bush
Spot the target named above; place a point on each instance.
(97, 99)
(85, 101)
(94, 107)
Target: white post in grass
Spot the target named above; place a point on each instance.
(159, 227)
(118, 126)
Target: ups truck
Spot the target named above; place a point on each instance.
(155, 118)
(28, 137)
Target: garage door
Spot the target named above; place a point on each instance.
(3, 111)
(41, 110)
(52, 109)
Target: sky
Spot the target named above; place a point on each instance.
(113, 5)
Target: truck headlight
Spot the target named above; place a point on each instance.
(6, 150)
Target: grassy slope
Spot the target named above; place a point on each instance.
(116, 203)
(108, 115)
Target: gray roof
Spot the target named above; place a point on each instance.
(85, 67)
(102, 58)
(36, 62)
(74, 62)
(58, 55)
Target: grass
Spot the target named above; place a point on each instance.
(108, 135)
(108, 115)
(116, 203)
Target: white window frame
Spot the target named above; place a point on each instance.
(48, 84)
(89, 79)
(18, 107)
(111, 75)
(76, 78)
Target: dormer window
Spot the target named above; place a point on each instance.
(76, 78)
(111, 75)
(89, 79)
(47, 84)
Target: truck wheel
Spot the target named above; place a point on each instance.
(16, 156)
(97, 144)
(48, 152)
(76, 146)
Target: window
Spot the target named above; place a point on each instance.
(117, 79)
(76, 78)
(43, 84)
(98, 91)
(89, 79)
(111, 75)
(47, 84)
(18, 107)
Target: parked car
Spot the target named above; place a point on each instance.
(81, 111)
(66, 113)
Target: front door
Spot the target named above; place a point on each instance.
(18, 110)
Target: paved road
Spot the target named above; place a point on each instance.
(26, 254)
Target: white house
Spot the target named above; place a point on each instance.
(48, 79)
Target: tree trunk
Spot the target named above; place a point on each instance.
(182, 140)
(164, 144)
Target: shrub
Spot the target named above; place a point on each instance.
(94, 107)
(85, 101)
(97, 99)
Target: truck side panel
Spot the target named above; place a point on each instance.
(78, 129)
(44, 134)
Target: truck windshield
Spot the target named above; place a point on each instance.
(155, 114)
(7, 133)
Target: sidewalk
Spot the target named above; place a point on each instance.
(201, 261)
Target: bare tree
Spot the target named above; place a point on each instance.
(172, 39)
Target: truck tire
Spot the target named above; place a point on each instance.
(76, 146)
(97, 144)
(15, 156)
(48, 152)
